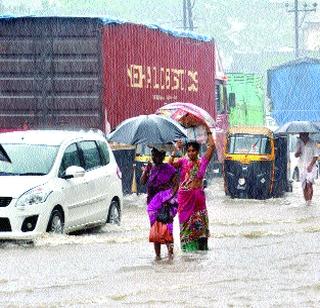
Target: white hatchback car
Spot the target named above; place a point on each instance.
(58, 181)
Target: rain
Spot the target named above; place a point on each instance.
(264, 241)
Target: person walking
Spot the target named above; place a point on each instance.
(308, 153)
(162, 185)
(192, 210)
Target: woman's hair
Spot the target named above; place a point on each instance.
(161, 154)
(193, 144)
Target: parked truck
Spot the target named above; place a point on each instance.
(81, 72)
(249, 107)
(95, 72)
(294, 91)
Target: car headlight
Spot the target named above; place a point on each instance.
(35, 195)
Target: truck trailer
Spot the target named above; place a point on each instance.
(79, 72)
(294, 91)
(249, 107)
(93, 73)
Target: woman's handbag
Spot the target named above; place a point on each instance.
(165, 214)
(159, 233)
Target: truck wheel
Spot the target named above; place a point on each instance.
(56, 223)
(114, 213)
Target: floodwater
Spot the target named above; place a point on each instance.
(262, 254)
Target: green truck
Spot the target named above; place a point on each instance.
(248, 89)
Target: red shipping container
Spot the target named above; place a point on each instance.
(145, 68)
(76, 72)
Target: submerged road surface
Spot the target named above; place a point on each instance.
(262, 254)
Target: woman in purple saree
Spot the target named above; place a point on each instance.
(192, 210)
(162, 185)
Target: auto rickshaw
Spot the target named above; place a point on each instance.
(255, 163)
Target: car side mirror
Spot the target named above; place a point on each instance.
(232, 99)
(73, 172)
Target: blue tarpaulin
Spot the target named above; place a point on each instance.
(294, 91)
(112, 21)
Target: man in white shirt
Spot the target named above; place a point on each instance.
(307, 152)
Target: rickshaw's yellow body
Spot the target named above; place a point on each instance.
(253, 163)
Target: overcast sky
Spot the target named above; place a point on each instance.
(246, 26)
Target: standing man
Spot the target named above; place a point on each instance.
(307, 152)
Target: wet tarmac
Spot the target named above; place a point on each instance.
(262, 254)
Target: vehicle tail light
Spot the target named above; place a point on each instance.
(119, 173)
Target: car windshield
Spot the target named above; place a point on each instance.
(28, 159)
(249, 144)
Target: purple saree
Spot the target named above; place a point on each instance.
(159, 191)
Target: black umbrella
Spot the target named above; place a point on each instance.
(3, 155)
(148, 129)
(296, 127)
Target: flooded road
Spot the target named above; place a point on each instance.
(262, 254)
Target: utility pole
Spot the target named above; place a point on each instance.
(296, 11)
(187, 15)
(184, 14)
(189, 8)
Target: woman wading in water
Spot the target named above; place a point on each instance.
(162, 185)
(192, 210)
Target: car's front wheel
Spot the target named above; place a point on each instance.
(114, 213)
(56, 223)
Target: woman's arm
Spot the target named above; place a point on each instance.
(211, 146)
(145, 174)
(175, 184)
(172, 161)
